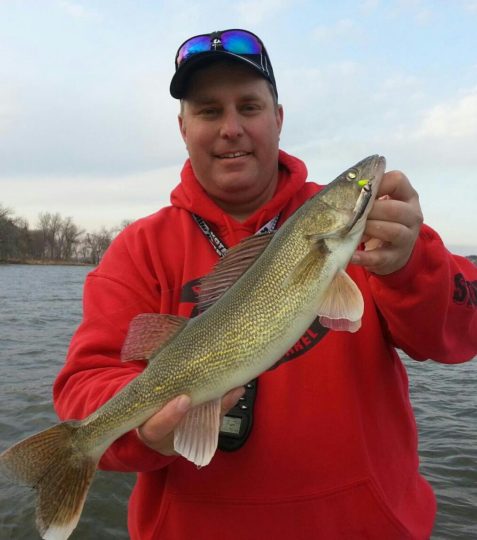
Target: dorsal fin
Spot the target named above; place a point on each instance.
(229, 269)
(149, 332)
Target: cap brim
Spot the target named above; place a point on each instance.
(179, 80)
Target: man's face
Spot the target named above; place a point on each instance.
(231, 127)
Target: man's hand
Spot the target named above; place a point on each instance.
(392, 227)
(158, 431)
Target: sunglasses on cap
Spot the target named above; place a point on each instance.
(240, 44)
(233, 41)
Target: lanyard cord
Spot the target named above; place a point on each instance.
(217, 243)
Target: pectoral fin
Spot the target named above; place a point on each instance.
(148, 332)
(197, 435)
(309, 263)
(343, 306)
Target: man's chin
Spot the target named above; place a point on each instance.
(235, 186)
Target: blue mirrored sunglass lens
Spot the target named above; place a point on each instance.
(193, 46)
(239, 42)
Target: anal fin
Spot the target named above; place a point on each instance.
(197, 435)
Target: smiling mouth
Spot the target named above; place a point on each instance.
(233, 155)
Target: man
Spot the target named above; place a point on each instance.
(333, 450)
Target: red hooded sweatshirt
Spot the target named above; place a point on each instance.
(333, 451)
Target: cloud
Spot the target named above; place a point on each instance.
(470, 5)
(349, 105)
(331, 33)
(350, 98)
(369, 5)
(456, 118)
(102, 131)
(78, 11)
(418, 10)
(9, 108)
(92, 201)
(254, 13)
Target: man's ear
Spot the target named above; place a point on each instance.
(279, 118)
(182, 127)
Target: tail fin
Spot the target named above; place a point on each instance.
(61, 474)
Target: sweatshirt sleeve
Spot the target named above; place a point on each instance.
(430, 305)
(93, 371)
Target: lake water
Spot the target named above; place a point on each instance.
(40, 306)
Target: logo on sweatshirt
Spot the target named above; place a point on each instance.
(315, 333)
(465, 292)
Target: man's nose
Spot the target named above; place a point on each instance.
(231, 127)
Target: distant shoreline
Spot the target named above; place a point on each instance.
(46, 262)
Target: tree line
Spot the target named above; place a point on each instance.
(55, 239)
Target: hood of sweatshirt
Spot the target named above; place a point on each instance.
(191, 196)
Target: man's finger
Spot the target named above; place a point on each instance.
(397, 186)
(397, 211)
(231, 398)
(157, 431)
(164, 421)
(390, 232)
(379, 261)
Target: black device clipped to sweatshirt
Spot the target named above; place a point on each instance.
(237, 423)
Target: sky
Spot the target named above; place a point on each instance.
(88, 127)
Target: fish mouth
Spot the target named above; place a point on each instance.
(379, 168)
(373, 169)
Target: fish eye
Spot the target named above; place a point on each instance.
(351, 175)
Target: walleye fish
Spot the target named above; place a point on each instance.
(257, 303)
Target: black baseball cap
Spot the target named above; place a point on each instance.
(236, 44)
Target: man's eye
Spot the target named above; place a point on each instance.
(208, 112)
(251, 107)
